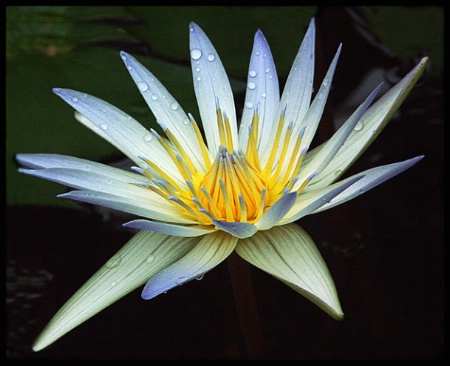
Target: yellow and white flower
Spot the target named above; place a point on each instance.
(238, 189)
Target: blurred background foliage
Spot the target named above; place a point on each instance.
(77, 47)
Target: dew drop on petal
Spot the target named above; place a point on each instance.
(103, 126)
(148, 137)
(180, 280)
(150, 259)
(252, 73)
(113, 262)
(174, 106)
(359, 126)
(251, 85)
(142, 85)
(154, 97)
(198, 278)
(249, 104)
(197, 69)
(113, 283)
(267, 70)
(87, 167)
(198, 78)
(264, 95)
(196, 53)
(211, 57)
(74, 99)
(186, 122)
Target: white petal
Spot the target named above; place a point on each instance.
(169, 229)
(314, 114)
(371, 179)
(143, 256)
(263, 94)
(299, 86)
(211, 83)
(207, 254)
(119, 129)
(332, 146)
(308, 202)
(165, 108)
(290, 255)
(371, 124)
(237, 229)
(275, 213)
(148, 208)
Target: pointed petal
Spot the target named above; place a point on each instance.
(43, 161)
(289, 254)
(371, 179)
(275, 213)
(144, 255)
(169, 229)
(262, 96)
(237, 229)
(371, 123)
(313, 116)
(118, 128)
(308, 202)
(332, 146)
(210, 83)
(165, 108)
(109, 181)
(207, 254)
(140, 207)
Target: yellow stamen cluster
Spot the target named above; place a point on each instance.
(234, 186)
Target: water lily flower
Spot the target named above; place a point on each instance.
(199, 198)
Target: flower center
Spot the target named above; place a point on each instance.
(235, 186)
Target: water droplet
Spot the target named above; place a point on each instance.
(113, 262)
(150, 259)
(197, 69)
(129, 67)
(174, 106)
(198, 278)
(84, 95)
(264, 95)
(74, 99)
(267, 70)
(113, 283)
(249, 104)
(251, 85)
(198, 78)
(319, 96)
(103, 126)
(196, 53)
(252, 73)
(186, 121)
(143, 86)
(257, 53)
(325, 82)
(180, 280)
(211, 57)
(154, 97)
(358, 126)
(148, 137)
(87, 167)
